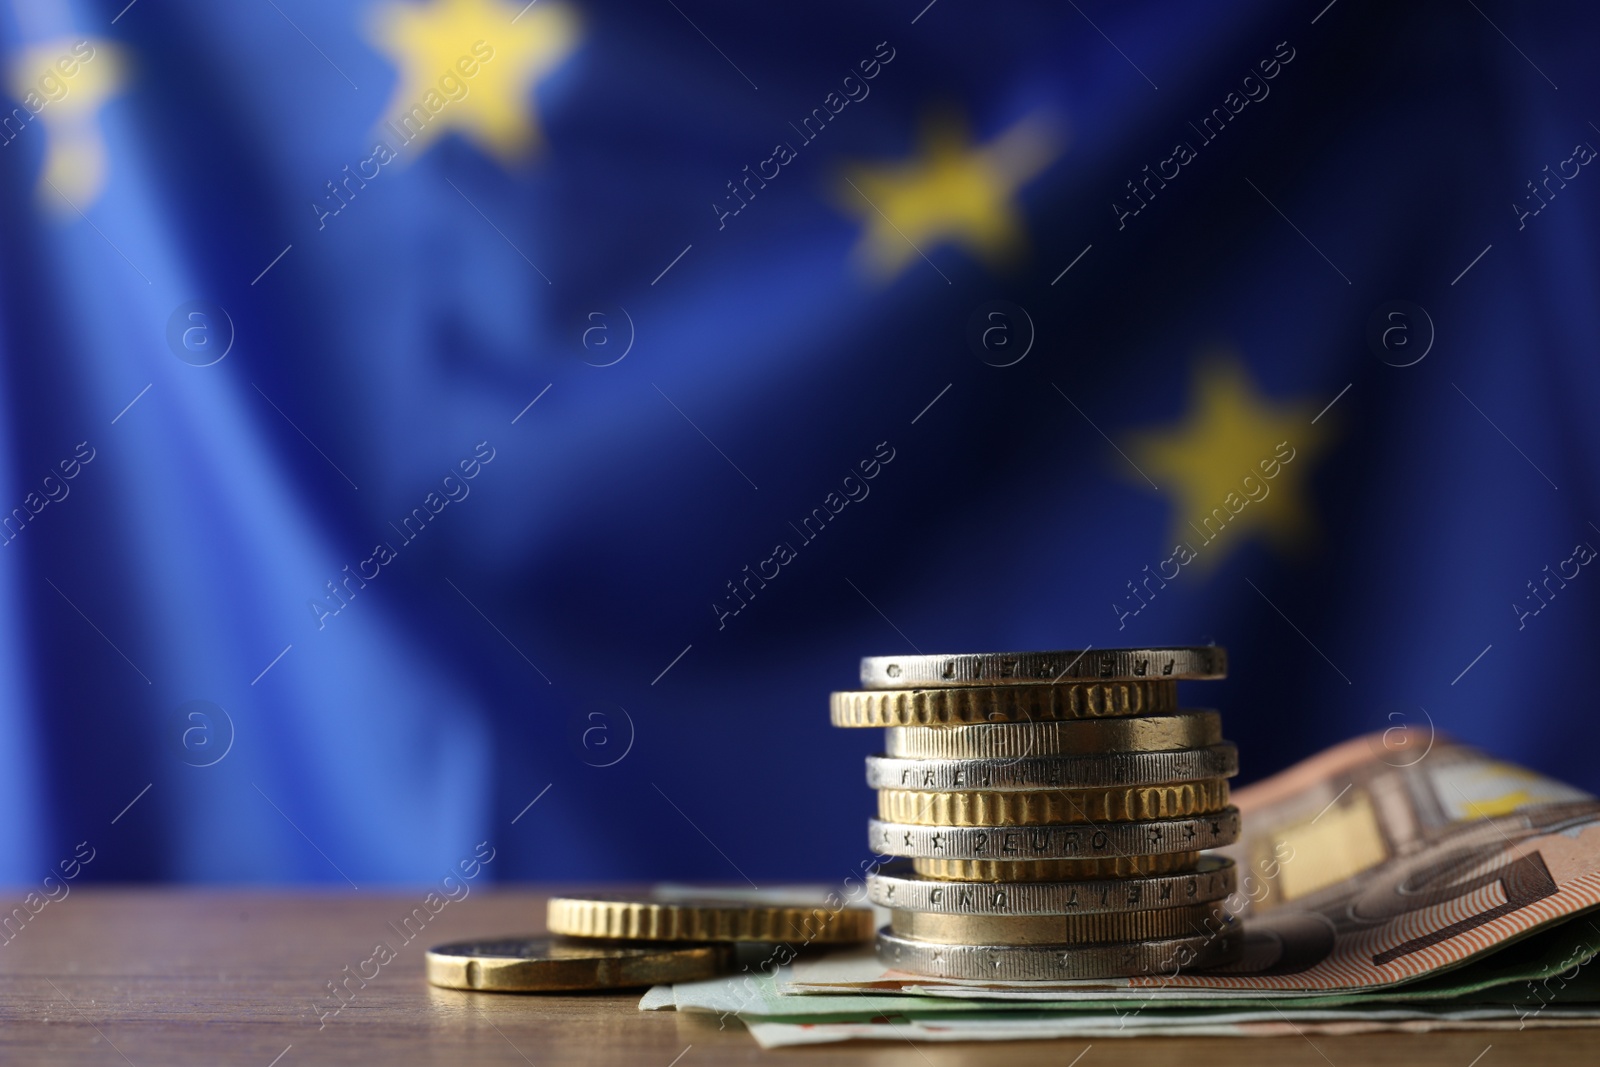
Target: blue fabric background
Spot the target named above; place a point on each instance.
(548, 603)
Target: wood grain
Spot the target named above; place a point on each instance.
(151, 977)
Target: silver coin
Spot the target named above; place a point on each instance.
(1044, 963)
(897, 886)
(1020, 740)
(1054, 772)
(995, 668)
(1087, 841)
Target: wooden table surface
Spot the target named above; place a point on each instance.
(147, 977)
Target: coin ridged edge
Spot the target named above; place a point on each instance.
(1188, 729)
(1053, 806)
(640, 920)
(1001, 703)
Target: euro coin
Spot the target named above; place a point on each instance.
(644, 919)
(1045, 807)
(544, 964)
(1000, 703)
(1011, 668)
(1054, 870)
(1024, 740)
(1087, 841)
(1054, 963)
(896, 885)
(1095, 928)
(1055, 772)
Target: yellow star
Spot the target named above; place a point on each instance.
(62, 84)
(469, 65)
(954, 192)
(1237, 465)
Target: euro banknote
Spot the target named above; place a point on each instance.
(1379, 862)
(1396, 881)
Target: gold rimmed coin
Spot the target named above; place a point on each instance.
(1011, 668)
(644, 919)
(1000, 703)
(1181, 920)
(546, 964)
(895, 886)
(950, 870)
(1055, 772)
(1054, 806)
(1054, 842)
(1039, 963)
(1022, 740)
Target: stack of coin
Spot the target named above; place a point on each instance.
(1055, 809)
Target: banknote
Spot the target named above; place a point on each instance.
(1519, 994)
(1378, 862)
(1398, 881)
(1551, 967)
(777, 1033)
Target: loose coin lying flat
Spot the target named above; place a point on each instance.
(1142, 838)
(1000, 703)
(1021, 740)
(1055, 772)
(1053, 806)
(643, 919)
(897, 886)
(1001, 668)
(1037, 963)
(544, 964)
(949, 870)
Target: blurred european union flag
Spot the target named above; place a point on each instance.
(444, 426)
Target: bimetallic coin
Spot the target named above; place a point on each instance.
(1181, 920)
(1055, 870)
(1021, 740)
(1009, 668)
(1055, 772)
(897, 886)
(1041, 963)
(1000, 703)
(976, 808)
(1088, 841)
(644, 919)
(544, 964)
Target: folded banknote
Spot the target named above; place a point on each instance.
(1398, 881)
